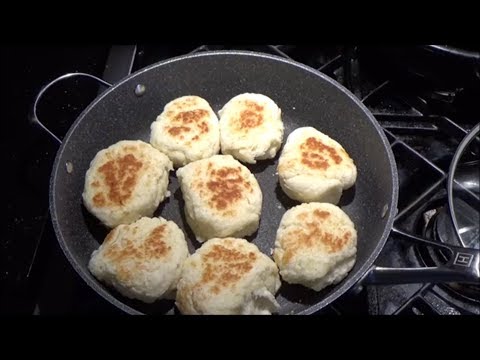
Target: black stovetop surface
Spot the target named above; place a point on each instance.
(423, 121)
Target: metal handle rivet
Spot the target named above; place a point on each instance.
(384, 210)
(139, 90)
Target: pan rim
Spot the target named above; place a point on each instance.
(342, 289)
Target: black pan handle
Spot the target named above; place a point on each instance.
(394, 276)
(463, 266)
(51, 83)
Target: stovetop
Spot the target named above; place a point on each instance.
(424, 122)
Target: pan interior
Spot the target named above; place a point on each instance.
(306, 99)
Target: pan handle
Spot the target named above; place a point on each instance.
(393, 276)
(51, 83)
(463, 266)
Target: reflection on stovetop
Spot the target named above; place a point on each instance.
(424, 129)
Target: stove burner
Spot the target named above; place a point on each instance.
(436, 225)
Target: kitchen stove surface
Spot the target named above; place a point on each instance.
(424, 122)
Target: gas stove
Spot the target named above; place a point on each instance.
(425, 118)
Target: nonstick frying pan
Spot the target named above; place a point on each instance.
(307, 98)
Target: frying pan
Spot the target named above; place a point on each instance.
(307, 98)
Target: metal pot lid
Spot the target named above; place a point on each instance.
(464, 190)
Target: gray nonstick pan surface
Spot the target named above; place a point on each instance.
(306, 97)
